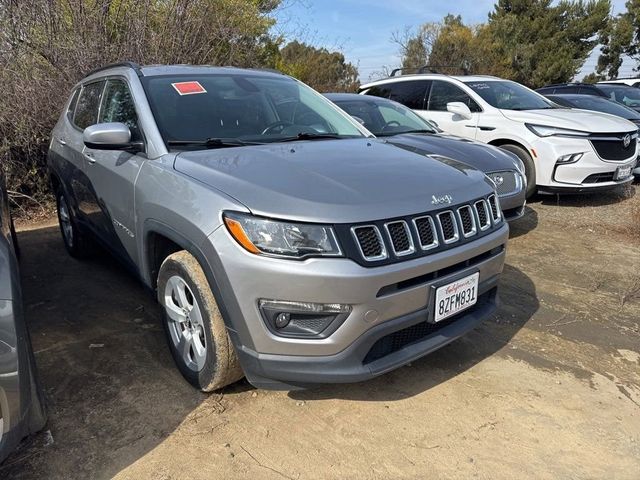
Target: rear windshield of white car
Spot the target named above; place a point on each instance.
(241, 108)
(508, 95)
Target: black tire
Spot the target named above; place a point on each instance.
(78, 245)
(529, 167)
(220, 366)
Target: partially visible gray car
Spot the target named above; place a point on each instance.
(21, 404)
(402, 127)
(283, 241)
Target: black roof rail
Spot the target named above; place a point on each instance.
(430, 69)
(132, 65)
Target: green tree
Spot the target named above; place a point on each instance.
(546, 42)
(620, 37)
(320, 68)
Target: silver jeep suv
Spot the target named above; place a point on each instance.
(283, 240)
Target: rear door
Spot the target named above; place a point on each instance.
(443, 92)
(75, 177)
(113, 174)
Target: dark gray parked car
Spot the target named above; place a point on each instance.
(21, 405)
(283, 241)
(402, 127)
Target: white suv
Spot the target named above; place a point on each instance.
(564, 150)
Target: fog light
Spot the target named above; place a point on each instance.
(569, 158)
(282, 320)
(303, 319)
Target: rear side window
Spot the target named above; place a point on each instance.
(445, 92)
(117, 104)
(88, 104)
(72, 103)
(410, 93)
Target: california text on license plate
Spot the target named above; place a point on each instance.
(456, 296)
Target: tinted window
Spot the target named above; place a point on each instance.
(567, 89)
(88, 104)
(117, 105)
(72, 104)
(410, 93)
(508, 95)
(629, 96)
(383, 117)
(599, 104)
(445, 92)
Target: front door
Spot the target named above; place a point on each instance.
(443, 92)
(113, 174)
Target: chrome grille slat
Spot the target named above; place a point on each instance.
(494, 207)
(426, 229)
(400, 236)
(369, 242)
(467, 221)
(448, 227)
(482, 213)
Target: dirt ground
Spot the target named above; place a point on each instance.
(549, 388)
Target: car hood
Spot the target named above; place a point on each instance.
(479, 155)
(332, 181)
(584, 120)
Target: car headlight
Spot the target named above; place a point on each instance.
(279, 238)
(545, 131)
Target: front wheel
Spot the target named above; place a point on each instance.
(529, 167)
(194, 327)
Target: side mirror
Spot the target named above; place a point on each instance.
(110, 136)
(459, 108)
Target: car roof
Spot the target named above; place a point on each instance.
(183, 69)
(431, 76)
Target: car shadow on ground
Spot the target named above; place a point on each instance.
(596, 199)
(518, 304)
(523, 225)
(108, 377)
(110, 381)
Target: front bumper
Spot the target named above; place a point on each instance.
(272, 361)
(574, 177)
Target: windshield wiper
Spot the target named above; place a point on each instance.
(212, 143)
(390, 134)
(309, 136)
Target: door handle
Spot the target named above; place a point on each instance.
(90, 158)
(62, 142)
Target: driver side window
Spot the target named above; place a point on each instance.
(445, 92)
(118, 106)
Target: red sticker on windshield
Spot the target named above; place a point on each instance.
(188, 88)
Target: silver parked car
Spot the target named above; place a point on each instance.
(403, 128)
(21, 404)
(284, 242)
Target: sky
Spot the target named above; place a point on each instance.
(362, 29)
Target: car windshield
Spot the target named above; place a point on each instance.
(508, 95)
(228, 110)
(629, 96)
(600, 104)
(384, 117)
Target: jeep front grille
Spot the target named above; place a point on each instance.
(408, 237)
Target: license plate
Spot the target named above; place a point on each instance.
(456, 297)
(623, 172)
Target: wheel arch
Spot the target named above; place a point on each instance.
(160, 241)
